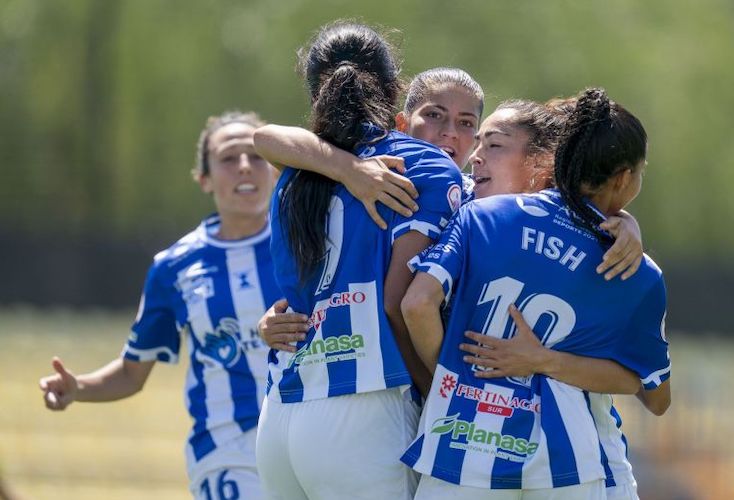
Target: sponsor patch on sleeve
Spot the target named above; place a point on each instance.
(454, 197)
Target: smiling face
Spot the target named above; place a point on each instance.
(447, 118)
(500, 162)
(239, 179)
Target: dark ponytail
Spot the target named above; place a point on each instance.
(352, 78)
(600, 139)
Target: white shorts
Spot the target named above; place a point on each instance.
(431, 488)
(229, 472)
(337, 448)
(627, 491)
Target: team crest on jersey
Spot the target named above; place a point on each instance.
(195, 283)
(454, 197)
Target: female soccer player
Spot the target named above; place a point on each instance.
(489, 438)
(528, 145)
(522, 160)
(344, 392)
(442, 106)
(211, 286)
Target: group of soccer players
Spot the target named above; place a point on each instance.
(485, 315)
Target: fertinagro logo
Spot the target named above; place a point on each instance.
(329, 350)
(502, 445)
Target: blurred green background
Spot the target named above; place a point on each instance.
(101, 103)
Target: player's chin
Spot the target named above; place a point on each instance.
(484, 189)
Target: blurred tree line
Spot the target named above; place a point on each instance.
(101, 104)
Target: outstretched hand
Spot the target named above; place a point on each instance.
(280, 329)
(520, 356)
(371, 180)
(59, 389)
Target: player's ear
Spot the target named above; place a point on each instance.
(204, 181)
(401, 122)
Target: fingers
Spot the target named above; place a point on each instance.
(58, 366)
(479, 361)
(517, 317)
(394, 204)
(611, 225)
(53, 389)
(398, 192)
(393, 162)
(484, 340)
(632, 269)
(300, 319)
(477, 350)
(374, 215)
(285, 341)
(615, 254)
(53, 401)
(280, 306)
(625, 257)
(405, 185)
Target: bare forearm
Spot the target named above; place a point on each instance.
(116, 380)
(590, 374)
(657, 400)
(300, 148)
(426, 334)
(414, 362)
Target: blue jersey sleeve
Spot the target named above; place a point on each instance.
(444, 260)
(154, 336)
(439, 186)
(643, 347)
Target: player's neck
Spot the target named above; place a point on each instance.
(233, 227)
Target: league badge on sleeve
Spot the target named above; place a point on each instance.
(454, 197)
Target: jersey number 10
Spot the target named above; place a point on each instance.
(558, 316)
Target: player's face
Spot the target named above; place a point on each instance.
(630, 184)
(499, 163)
(240, 180)
(448, 118)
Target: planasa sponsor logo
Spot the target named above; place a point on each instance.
(473, 438)
(497, 404)
(338, 299)
(337, 348)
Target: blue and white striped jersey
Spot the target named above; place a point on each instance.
(214, 292)
(533, 432)
(349, 347)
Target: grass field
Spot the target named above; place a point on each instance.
(134, 448)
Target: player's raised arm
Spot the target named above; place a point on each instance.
(118, 379)
(369, 180)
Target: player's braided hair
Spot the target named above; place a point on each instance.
(352, 76)
(600, 139)
(434, 78)
(214, 123)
